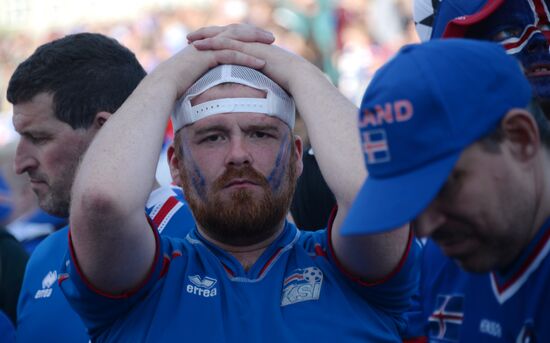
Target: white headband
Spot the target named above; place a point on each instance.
(277, 102)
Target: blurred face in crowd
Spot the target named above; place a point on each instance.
(48, 151)
(485, 213)
(238, 170)
(523, 28)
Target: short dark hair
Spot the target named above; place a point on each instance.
(491, 141)
(86, 73)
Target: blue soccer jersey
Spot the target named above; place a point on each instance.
(294, 292)
(490, 307)
(44, 315)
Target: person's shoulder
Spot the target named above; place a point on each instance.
(313, 241)
(169, 212)
(53, 247)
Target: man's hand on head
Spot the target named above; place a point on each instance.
(240, 32)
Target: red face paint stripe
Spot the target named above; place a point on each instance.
(522, 40)
(541, 12)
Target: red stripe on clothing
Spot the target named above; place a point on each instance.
(354, 277)
(168, 205)
(269, 261)
(133, 290)
(525, 264)
(319, 251)
(228, 271)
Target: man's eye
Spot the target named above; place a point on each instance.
(259, 134)
(212, 139)
(507, 34)
(37, 139)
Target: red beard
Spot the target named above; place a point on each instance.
(243, 219)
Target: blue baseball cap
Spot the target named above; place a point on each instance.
(420, 111)
(454, 18)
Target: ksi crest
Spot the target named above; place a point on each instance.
(302, 285)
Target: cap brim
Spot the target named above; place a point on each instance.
(389, 203)
(457, 28)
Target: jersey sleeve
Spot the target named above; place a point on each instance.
(97, 309)
(394, 293)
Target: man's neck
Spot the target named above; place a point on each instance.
(246, 255)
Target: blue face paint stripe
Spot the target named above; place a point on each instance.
(275, 178)
(197, 179)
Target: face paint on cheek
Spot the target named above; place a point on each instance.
(198, 181)
(275, 178)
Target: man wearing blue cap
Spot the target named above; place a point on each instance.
(454, 143)
(244, 273)
(522, 27)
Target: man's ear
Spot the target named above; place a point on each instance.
(173, 162)
(100, 119)
(299, 150)
(521, 133)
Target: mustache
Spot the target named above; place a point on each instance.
(247, 173)
(36, 176)
(445, 234)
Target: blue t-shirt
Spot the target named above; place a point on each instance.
(294, 292)
(489, 307)
(43, 313)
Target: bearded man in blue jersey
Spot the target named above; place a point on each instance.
(244, 273)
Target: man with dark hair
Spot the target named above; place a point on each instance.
(467, 161)
(244, 273)
(62, 95)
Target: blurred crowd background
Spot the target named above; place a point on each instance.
(347, 39)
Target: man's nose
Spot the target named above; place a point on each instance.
(239, 153)
(429, 220)
(24, 160)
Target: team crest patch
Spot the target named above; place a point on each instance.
(302, 285)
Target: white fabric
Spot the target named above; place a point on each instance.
(277, 102)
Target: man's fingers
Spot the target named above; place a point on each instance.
(237, 57)
(217, 43)
(240, 32)
(205, 32)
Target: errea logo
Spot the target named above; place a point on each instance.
(47, 283)
(203, 287)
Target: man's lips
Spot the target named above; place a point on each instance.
(538, 70)
(455, 247)
(240, 183)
